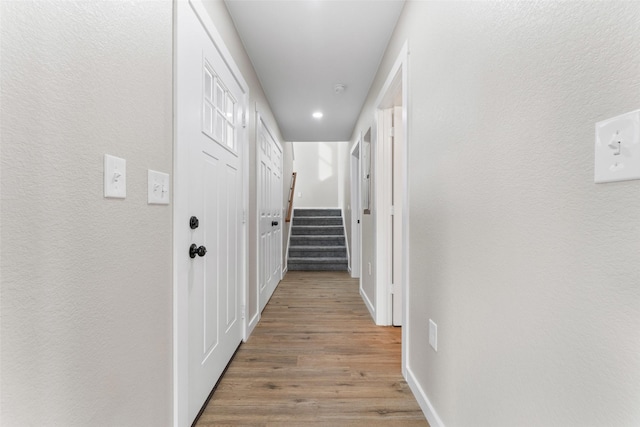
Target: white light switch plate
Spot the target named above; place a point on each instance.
(115, 177)
(158, 188)
(617, 150)
(433, 334)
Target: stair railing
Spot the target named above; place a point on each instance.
(292, 192)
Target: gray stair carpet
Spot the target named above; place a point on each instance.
(317, 241)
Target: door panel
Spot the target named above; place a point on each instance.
(276, 208)
(230, 258)
(208, 282)
(266, 232)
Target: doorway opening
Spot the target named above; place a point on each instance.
(392, 225)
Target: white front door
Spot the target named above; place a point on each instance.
(270, 199)
(210, 102)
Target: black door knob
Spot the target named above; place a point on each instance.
(195, 250)
(274, 223)
(193, 222)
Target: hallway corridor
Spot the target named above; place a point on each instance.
(315, 358)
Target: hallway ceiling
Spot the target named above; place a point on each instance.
(302, 49)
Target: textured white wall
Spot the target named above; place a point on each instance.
(86, 282)
(321, 173)
(530, 270)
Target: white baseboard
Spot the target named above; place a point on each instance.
(367, 303)
(423, 400)
(252, 325)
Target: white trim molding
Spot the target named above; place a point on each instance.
(397, 77)
(424, 402)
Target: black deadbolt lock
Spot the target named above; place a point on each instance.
(194, 223)
(274, 223)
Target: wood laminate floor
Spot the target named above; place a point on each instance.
(315, 359)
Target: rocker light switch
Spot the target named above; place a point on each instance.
(617, 150)
(115, 177)
(158, 188)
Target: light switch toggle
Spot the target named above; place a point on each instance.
(115, 177)
(616, 143)
(617, 148)
(158, 188)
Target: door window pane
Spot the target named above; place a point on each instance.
(231, 137)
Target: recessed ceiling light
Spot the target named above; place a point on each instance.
(317, 115)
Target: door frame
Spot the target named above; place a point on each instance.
(355, 258)
(181, 211)
(396, 81)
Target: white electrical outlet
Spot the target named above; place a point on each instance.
(433, 335)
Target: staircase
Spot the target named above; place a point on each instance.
(317, 240)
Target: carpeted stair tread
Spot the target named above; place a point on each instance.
(317, 220)
(324, 240)
(318, 251)
(317, 212)
(326, 230)
(316, 247)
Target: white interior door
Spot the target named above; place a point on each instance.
(355, 211)
(277, 207)
(270, 198)
(210, 102)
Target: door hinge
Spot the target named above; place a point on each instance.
(244, 216)
(392, 209)
(392, 289)
(392, 132)
(243, 311)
